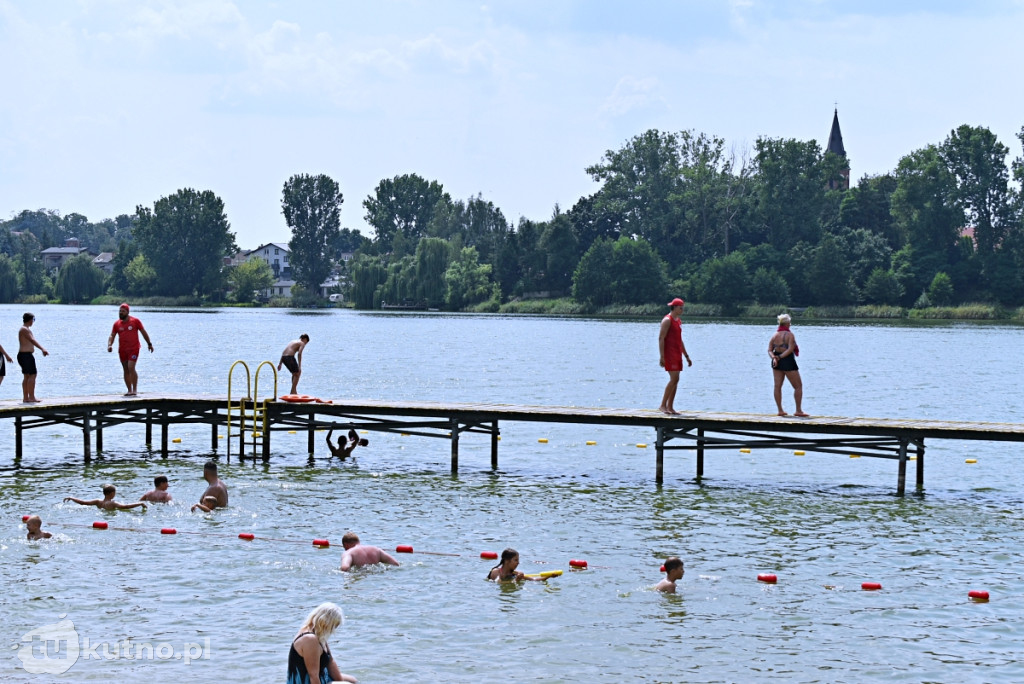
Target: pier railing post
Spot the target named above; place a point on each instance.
(659, 472)
(494, 445)
(455, 445)
(700, 453)
(901, 483)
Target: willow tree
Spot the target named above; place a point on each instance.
(79, 280)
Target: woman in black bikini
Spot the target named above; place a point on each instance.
(783, 350)
(309, 659)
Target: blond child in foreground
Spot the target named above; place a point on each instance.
(35, 531)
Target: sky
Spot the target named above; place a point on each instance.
(109, 104)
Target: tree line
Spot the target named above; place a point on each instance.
(674, 212)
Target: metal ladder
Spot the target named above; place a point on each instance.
(257, 414)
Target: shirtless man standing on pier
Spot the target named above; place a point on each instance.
(292, 358)
(27, 359)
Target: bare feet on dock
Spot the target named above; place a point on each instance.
(801, 414)
(783, 413)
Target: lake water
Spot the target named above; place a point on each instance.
(823, 523)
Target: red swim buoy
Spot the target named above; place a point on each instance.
(403, 548)
(577, 563)
(248, 536)
(767, 578)
(25, 517)
(321, 543)
(978, 596)
(168, 530)
(99, 525)
(870, 586)
(297, 398)
(662, 568)
(489, 554)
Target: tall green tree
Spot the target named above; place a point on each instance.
(829, 276)
(8, 280)
(558, 243)
(402, 204)
(140, 278)
(312, 209)
(28, 264)
(638, 273)
(977, 162)
(791, 181)
(591, 283)
(185, 238)
(79, 280)
(638, 182)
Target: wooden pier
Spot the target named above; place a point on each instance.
(250, 425)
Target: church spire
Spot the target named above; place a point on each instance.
(835, 146)
(835, 137)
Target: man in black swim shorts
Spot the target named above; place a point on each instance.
(291, 358)
(27, 360)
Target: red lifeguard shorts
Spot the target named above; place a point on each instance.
(129, 354)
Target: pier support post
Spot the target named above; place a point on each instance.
(213, 430)
(86, 436)
(920, 466)
(659, 469)
(494, 445)
(700, 453)
(901, 483)
(163, 434)
(266, 438)
(99, 436)
(149, 428)
(311, 434)
(455, 445)
(18, 448)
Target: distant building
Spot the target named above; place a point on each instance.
(54, 257)
(276, 254)
(835, 146)
(104, 262)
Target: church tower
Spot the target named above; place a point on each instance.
(835, 146)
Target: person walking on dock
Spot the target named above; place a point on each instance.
(127, 329)
(672, 350)
(291, 357)
(784, 350)
(27, 359)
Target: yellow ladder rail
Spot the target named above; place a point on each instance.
(241, 402)
(260, 410)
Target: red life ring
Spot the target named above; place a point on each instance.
(297, 398)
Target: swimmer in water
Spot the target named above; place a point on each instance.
(35, 531)
(673, 573)
(107, 503)
(505, 571)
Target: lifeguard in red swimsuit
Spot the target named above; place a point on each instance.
(127, 329)
(672, 350)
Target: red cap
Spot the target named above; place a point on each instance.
(676, 302)
(125, 306)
